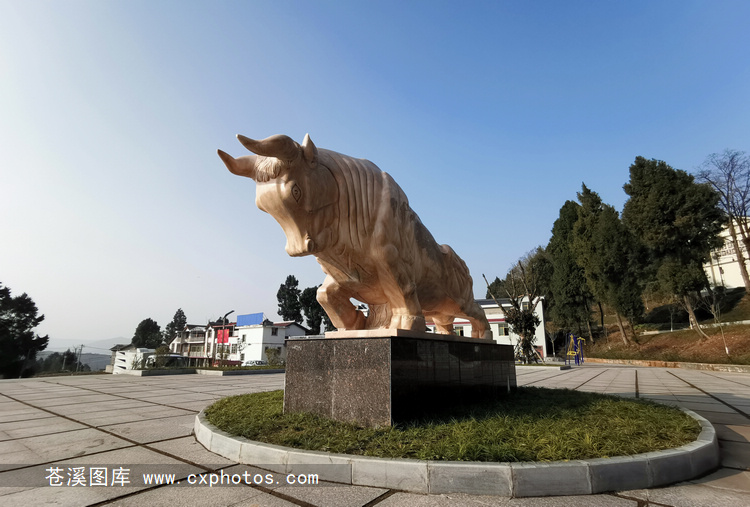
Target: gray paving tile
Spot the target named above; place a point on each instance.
(333, 495)
(187, 448)
(156, 429)
(200, 497)
(733, 433)
(690, 495)
(41, 449)
(723, 418)
(26, 414)
(36, 427)
(735, 454)
(725, 478)
(74, 400)
(62, 496)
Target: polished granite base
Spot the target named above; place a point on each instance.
(378, 380)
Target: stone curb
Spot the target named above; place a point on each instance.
(530, 479)
(225, 373)
(731, 368)
(193, 371)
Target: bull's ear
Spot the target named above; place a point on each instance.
(243, 166)
(309, 151)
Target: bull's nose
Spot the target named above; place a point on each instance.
(298, 249)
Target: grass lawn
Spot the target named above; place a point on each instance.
(530, 424)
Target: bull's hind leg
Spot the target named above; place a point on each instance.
(443, 323)
(335, 301)
(480, 328)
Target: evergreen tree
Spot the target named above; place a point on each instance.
(147, 334)
(288, 295)
(19, 344)
(314, 313)
(678, 221)
(609, 257)
(572, 297)
(178, 324)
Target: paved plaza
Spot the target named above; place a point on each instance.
(61, 430)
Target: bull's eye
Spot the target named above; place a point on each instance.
(296, 193)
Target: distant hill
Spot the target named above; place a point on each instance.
(95, 354)
(95, 361)
(97, 347)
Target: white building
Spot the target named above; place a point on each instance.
(723, 266)
(501, 332)
(130, 358)
(191, 343)
(233, 343)
(254, 335)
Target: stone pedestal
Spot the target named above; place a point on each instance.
(377, 377)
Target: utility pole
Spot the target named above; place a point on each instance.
(216, 340)
(78, 363)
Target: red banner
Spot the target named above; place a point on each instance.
(222, 336)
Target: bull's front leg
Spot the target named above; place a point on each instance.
(401, 291)
(335, 301)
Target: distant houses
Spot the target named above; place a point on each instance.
(251, 337)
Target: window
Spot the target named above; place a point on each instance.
(234, 348)
(458, 330)
(502, 329)
(242, 357)
(274, 331)
(524, 306)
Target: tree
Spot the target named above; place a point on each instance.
(678, 221)
(160, 356)
(19, 344)
(274, 356)
(609, 256)
(524, 285)
(56, 362)
(572, 297)
(288, 297)
(729, 175)
(314, 313)
(147, 335)
(179, 321)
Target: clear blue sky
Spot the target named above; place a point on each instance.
(490, 115)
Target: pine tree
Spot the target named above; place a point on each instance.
(678, 221)
(609, 257)
(19, 344)
(288, 295)
(572, 297)
(147, 334)
(178, 324)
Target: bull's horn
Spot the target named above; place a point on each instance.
(309, 151)
(279, 146)
(243, 166)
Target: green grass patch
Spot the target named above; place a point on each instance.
(530, 424)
